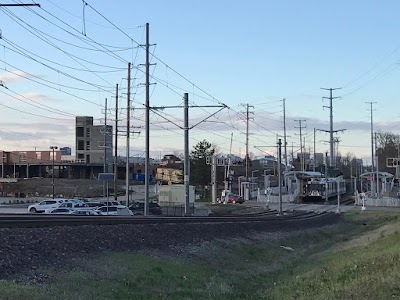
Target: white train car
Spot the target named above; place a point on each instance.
(321, 189)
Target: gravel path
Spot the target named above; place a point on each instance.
(26, 249)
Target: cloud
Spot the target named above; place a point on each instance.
(36, 97)
(11, 77)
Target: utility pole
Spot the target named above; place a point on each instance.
(227, 169)
(247, 140)
(315, 161)
(214, 179)
(284, 134)
(305, 149)
(186, 129)
(116, 146)
(105, 147)
(301, 143)
(377, 168)
(280, 176)
(187, 161)
(128, 130)
(372, 148)
(147, 120)
(331, 131)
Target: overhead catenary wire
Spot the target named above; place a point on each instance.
(73, 57)
(211, 98)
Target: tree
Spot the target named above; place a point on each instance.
(200, 172)
(388, 145)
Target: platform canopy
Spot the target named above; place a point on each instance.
(304, 174)
(382, 175)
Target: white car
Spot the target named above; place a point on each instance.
(45, 204)
(86, 212)
(115, 210)
(62, 211)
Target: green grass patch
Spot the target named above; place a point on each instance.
(356, 259)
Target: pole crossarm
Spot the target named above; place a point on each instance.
(155, 108)
(223, 107)
(338, 130)
(166, 119)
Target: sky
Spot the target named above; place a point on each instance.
(65, 58)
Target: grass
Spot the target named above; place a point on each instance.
(356, 259)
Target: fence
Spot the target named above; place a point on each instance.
(287, 198)
(382, 202)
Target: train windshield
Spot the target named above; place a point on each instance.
(315, 187)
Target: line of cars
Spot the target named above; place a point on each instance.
(81, 207)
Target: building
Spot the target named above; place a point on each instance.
(170, 169)
(319, 159)
(27, 164)
(92, 142)
(171, 160)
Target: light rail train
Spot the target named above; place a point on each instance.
(322, 189)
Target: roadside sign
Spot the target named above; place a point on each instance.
(106, 176)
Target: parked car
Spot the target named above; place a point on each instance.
(235, 199)
(94, 204)
(45, 204)
(110, 203)
(89, 212)
(75, 205)
(115, 210)
(61, 211)
(137, 208)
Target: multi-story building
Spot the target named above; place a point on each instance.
(91, 142)
(319, 159)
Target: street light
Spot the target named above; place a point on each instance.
(52, 173)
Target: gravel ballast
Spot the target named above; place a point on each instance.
(24, 249)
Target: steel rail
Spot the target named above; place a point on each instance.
(8, 220)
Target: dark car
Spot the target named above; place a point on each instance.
(138, 208)
(235, 199)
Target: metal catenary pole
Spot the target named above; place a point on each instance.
(280, 175)
(187, 161)
(372, 149)
(147, 120)
(128, 129)
(116, 147)
(338, 196)
(105, 147)
(214, 178)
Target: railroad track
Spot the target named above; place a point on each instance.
(24, 220)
